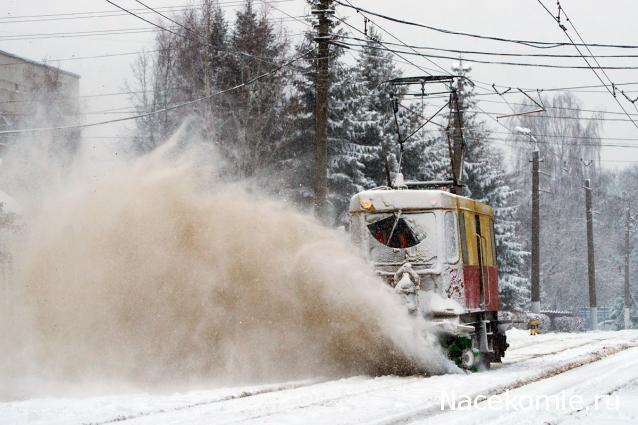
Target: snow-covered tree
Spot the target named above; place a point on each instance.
(298, 155)
(349, 154)
(560, 132)
(374, 126)
(206, 55)
(617, 315)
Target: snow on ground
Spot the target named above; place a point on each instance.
(578, 368)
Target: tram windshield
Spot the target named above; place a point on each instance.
(399, 230)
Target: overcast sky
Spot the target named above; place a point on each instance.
(601, 22)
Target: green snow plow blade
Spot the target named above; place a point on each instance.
(462, 353)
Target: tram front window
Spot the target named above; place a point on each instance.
(400, 230)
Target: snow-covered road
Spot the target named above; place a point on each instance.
(599, 366)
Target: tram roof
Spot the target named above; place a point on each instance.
(388, 200)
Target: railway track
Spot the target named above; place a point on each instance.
(309, 402)
(387, 400)
(422, 413)
(587, 359)
(221, 399)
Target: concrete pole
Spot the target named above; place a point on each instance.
(320, 180)
(591, 267)
(627, 319)
(536, 287)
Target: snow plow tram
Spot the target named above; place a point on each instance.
(437, 250)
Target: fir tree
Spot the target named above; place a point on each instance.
(374, 129)
(252, 115)
(346, 175)
(204, 56)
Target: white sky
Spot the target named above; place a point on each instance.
(601, 22)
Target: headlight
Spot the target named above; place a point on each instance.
(366, 204)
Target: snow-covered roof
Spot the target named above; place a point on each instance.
(409, 199)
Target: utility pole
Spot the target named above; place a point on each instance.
(627, 294)
(591, 267)
(536, 286)
(536, 226)
(322, 87)
(458, 149)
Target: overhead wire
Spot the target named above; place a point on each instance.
(385, 48)
(530, 43)
(162, 110)
(158, 111)
(359, 10)
(465, 59)
(74, 58)
(395, 37)
(526, 42)
(478, 52)
(586, 60)
(75, 34)
(234, 52)
(110, 13)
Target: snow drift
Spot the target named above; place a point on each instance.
(151, 272)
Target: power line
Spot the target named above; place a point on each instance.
(385, 48)
(535, 65)
(395, 37)
(611, 145)
(237, 52)
(553, 143)
(110, 13)
(478, 107)
(158, 111)
(477, 52)
(559, 108)
(74, 34)
(585, 59)
(570, 88)
(90, 33)
(488, 92)
(74, 58)
(121, 93)
(168, 18)
(567, 137)
(296, 18)
(567, 117)
(489, 114)
(507, 142)
(530, 43)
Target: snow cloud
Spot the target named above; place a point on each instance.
(156, 272)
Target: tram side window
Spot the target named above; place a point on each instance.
(451, 240)
(463, 237)
(489, 242)
(493, 242)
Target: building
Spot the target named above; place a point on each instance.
(32, 94)
(35, 94)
